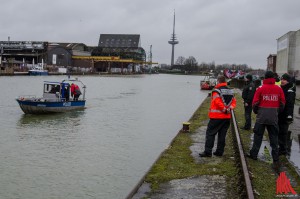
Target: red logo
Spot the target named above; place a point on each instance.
(283, 185)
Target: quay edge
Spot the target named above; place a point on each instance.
(176, 163)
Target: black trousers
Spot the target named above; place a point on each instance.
(283, 136)
(248, 111)
(220, 127)
(76, 97)
(259, 130)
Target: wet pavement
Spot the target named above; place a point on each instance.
(195, 187)
(294, 158)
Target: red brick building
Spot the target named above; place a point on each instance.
(271, 65)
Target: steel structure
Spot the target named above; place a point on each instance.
(173, 41)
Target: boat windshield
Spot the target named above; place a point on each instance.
(51, 88)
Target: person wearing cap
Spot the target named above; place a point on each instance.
(247, 95)
(285, 118)
(267, 102)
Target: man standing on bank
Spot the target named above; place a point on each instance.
(222, 102)
(267, 102)
(285, 118)
(247, 95)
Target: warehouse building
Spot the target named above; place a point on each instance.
(288, 54)
(121, 53)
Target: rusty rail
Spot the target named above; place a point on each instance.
(248, 185)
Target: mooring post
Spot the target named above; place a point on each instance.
(186, 127)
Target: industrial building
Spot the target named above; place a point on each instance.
(288, 54)
(120, 53)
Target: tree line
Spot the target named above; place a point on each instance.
(190, 65)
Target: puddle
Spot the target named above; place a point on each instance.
(295, 148)
(294, 157)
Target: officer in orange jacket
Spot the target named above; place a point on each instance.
(222, 102)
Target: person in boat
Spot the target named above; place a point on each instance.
(247, 95)
(54, 89)
(67, 92)
(222, 102)
(75, 91)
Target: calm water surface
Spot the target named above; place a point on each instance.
(100, 152)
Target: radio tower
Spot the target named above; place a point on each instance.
(173, 41)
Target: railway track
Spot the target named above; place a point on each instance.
(246, 189)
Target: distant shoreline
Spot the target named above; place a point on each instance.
(72, 74)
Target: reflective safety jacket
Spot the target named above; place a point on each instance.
(222, 100)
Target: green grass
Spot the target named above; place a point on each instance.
(176, 162)
(262, 174)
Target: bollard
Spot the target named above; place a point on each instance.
(186, 127)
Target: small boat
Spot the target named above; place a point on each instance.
(208, 83)
(56, 98)
(37, 71)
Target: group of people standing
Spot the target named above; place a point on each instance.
(65, 90)
(272, 103)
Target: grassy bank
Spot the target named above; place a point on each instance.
(177, 163)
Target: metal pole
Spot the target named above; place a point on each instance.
(1, 56)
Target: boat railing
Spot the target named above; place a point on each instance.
(82, 85)
(26, 97)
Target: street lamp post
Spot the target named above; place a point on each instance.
(1, 56)
(37, 57)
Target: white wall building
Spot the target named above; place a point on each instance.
(288, 54)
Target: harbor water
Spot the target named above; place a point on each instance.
(100, 152)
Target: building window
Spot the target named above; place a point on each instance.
(271, 60)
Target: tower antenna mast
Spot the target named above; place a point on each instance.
(173, 41)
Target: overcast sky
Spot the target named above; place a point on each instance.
(223, 31)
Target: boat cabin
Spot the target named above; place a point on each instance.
(56, 91)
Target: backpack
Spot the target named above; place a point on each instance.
(77, 92)
(226, 95)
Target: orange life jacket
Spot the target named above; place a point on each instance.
(222, 98)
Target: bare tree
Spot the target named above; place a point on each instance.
(191, 64)
(180, 60)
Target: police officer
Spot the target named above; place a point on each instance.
(285, 118)
(267, 102)
(247, 95)
(222, 102)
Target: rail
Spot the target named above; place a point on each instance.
(244, 168)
